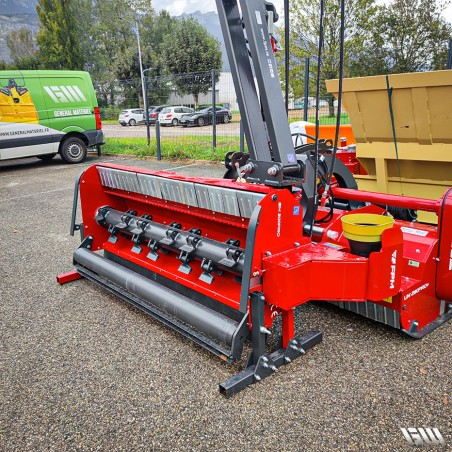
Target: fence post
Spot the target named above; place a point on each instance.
(306, 89)
(242, 137)
(214, 111)
(157, 138)
(146, 106)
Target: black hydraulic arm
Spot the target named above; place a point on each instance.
(272, 159)
(242, 74)
(245, 29)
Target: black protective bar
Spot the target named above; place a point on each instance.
(74, 225)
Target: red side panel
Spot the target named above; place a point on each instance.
(444, 270)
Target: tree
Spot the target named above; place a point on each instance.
(304, 33)
(110, 50)
(191, 50)
(408, 36)
(23, 48)
(58, 35)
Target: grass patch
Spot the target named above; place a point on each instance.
(325, 119)
(187, 148)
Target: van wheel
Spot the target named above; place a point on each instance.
(73, 150)
(46, 157)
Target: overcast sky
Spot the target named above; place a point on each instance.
(177, 7)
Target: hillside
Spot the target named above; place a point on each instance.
(22, 13)
(14, 22)
(14, 7)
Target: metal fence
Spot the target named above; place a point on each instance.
(209, 138)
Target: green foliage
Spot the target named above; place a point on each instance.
(58, 35)
(23, 49)
(189, 49)
(154, 28)
(110, 113)
(189, 148)
(304, 32)
(407, 36)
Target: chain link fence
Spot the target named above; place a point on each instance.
(182, 123)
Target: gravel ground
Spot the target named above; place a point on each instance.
(80, 370)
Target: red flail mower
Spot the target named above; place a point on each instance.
(219, 259)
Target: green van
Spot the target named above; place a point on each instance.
(44, 113)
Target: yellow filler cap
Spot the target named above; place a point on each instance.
(365, 227)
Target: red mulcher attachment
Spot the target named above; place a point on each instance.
(218, 260)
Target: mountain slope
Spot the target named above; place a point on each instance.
(13, 7)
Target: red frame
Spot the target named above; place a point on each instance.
(287, 267)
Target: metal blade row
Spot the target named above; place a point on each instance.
(216, 199)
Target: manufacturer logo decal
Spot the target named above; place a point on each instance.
(278, 224)
(393, 270)
(423, 436)
(65, 93)
(416, 291)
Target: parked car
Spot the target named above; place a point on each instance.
(204, 116)
(132, 117)
(172, 115)
(322, 103)
(154, 113)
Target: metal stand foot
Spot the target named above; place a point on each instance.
(267, 364)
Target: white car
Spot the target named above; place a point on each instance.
(172, 115)
(322, 103)
(131, 117)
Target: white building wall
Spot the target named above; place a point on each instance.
(225, 94)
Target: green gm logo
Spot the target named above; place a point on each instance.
(65, 94)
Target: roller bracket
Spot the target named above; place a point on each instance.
(233, 242)
(171, 234)
(232, 257)
(186, 258)
(137, 233)
(113, 230)
(153, 247)
(187, 251)
(207, 267)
